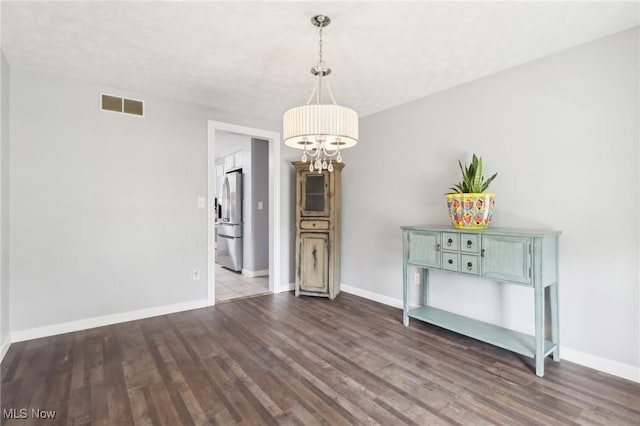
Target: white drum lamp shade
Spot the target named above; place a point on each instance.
(305, 125)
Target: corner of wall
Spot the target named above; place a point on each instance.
(285, 287)
(5, 335)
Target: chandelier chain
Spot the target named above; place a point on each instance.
(320, 66)
(320, 43)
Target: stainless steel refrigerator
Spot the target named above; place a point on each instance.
(229, 225)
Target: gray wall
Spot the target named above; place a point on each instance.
(104, 205)
(563, 134)
(259, 194)
(4, 206)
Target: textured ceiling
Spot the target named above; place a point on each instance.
(254, 57)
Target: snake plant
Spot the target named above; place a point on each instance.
(472, 179)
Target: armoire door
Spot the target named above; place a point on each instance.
(314, 262)
(314, 191)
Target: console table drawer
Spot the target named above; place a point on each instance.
(470, 243)
(450, 261)
(450, 241)
(470, 264)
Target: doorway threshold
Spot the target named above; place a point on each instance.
(233, 285)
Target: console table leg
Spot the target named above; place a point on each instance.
(405, 313)
(539, 325)
(405, 280)
(555, 329)
(405, 297)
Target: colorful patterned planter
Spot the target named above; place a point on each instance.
(471, 211)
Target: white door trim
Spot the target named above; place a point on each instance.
(274, 202)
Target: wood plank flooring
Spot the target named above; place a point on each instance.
(278, 359)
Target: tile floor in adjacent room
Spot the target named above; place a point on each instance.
(233, 285)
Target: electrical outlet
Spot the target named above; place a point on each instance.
(416, 277)
(196, 274)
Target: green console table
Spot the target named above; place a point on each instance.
(523, 257)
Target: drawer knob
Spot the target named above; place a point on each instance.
(469, 242)
(450, 261)
(449, 242)
(469, 265)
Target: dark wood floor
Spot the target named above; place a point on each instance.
(278, 359)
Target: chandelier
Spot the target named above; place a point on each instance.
(321, 130)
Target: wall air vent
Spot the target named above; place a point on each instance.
(123, 105)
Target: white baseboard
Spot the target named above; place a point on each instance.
(605, 365)
(83, 324)
(253, 274)
(287, 287)
(385, 300)
(5, 347)
(601, 364)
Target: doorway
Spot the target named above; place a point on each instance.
(235, 283)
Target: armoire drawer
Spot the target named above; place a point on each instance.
(311, 225)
